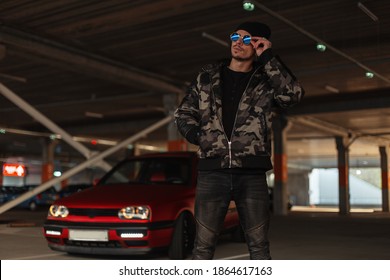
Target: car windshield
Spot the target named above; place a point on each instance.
(150, 171)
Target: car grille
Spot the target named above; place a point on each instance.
(93, 212)
(94, 244)
(110, 244)
(139, 243)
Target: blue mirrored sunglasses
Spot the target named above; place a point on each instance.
(246, 39)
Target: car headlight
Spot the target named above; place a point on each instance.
(58, 211)
(134, 212)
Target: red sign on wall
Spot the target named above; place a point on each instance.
(14, 169)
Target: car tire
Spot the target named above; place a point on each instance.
(182, 238)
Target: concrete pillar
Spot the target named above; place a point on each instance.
(384, 154)
(1, 174)
(48, 149)
(343, 167)
(280, 195)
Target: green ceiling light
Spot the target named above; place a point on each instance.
(369, 75)
(248, 5)
(321, 47)
(2, 131)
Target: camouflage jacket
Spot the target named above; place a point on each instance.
(199, 116)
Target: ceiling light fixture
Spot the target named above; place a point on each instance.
(369, 75)
(248, 5)
(321, 47)
(367, 12)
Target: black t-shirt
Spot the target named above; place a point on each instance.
(233, 86)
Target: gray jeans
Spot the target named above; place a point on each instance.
(214, 192)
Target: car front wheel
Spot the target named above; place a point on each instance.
(183, 237)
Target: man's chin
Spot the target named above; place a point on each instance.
(240, 58)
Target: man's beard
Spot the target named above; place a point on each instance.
(242, 59)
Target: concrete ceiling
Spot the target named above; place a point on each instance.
(101, 69)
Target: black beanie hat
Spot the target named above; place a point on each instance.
(257, 29)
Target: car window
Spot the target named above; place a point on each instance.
(150, 171)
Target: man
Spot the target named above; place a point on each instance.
(227, 112)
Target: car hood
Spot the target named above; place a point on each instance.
(120, 195)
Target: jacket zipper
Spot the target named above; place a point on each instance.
(235, 119)
(230, 154)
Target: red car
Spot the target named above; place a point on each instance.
(143, 204)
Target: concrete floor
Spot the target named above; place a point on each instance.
(329, 236)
